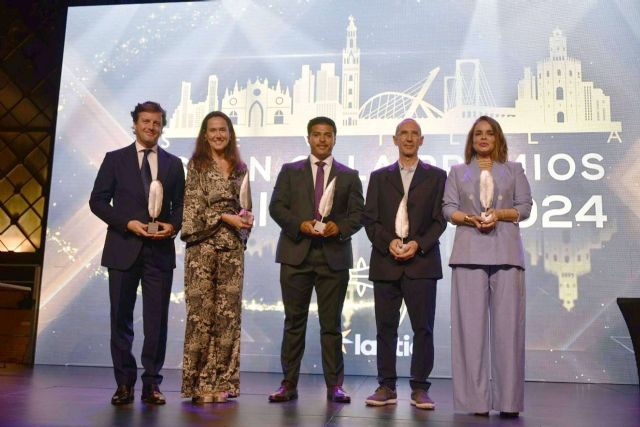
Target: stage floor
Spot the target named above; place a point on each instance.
(80, 396)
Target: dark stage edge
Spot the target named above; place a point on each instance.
(80, 396)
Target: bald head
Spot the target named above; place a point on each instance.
(405, 121)
(408, 139)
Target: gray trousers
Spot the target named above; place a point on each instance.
(487, 338)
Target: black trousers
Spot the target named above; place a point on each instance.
(420, 299)
(297, 284)
(156, 293)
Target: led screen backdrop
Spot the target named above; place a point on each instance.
(561, 77)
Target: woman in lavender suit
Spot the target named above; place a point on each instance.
(487, 261)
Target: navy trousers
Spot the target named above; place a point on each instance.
(156, 293)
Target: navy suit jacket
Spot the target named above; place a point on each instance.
(118, 197)
(426, 223)
(292, 203)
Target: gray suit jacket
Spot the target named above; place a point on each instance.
(503, 245)
(292, 203)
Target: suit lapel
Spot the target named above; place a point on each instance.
(134, 169)
(499, 172)
(163, 166)
(308, 180)
(335, 168)
(393, 177)
(419, 175)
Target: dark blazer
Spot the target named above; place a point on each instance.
(426, 222)
(118, 197)
(292, 203)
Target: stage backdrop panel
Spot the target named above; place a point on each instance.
(562, 78)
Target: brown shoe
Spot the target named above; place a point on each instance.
(382, 396)
(151, 394)
(122, 396)
(285, 393)
(421, 400)
(337, 394)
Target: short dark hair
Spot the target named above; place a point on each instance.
(321, 120)
(149, 107)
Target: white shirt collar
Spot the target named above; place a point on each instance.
(140, 147)
(327, 162)
(410, 168)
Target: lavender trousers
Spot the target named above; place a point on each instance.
(487, 338)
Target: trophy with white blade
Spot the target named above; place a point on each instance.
(155, 205)
(325, 205)
(486, 193)
(402, 222)
(245, 196)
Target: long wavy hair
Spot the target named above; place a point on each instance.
(500, 152)
(202, 157)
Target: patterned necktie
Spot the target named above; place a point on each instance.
(319, 188)
(145, 172)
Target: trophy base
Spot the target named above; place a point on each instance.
(319, 226)
(153, 227)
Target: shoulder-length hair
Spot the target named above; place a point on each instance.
(202, 157)
(500, 151)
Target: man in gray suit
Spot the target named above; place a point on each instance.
(406, 269)
(315, 259)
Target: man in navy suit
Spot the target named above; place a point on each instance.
(310, 258)
(405, 269)
(133, 254)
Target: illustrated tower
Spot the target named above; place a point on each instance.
(351, 77)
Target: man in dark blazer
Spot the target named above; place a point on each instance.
(134, 253)
(405, 268)
(311, 257)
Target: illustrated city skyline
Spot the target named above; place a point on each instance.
(553, 98)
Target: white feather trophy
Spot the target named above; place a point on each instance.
(245, 193)
(245, 203)
(402, 221)
(155, 205)
(326, 203)
(486, 192)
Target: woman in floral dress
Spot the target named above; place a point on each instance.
(216, 230)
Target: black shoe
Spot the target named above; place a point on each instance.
(151, 394)
(123, 395)
(504, 414)
(286, 392)
(337, 394)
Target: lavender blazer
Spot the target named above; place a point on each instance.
(503, 245)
